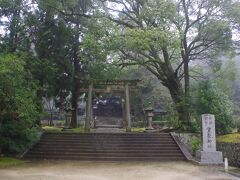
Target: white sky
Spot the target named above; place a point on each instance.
(235, 35)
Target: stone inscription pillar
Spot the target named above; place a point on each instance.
(208, 154)
(208, 133)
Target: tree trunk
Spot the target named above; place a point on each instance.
(74, 107)
(14, 26)
(185, 58)
(75, 82)
(177, 93)
(173, 83)
(75, 95)
(51, 119)
(39, 102)
(187, 93)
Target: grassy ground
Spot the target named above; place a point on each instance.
(7, 161)
(59, 130)
(52, 129)
(138, 130)
(81, 130)
(78, 130)
(232, 138)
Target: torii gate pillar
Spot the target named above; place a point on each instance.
(89, 109)
(127, 108)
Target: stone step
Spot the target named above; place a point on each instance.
(109, 141)
(109, 126)
(108, 134)
(106, 158)
(115, 155)
(110, 137)
(79, 144)
(169, 147)
(109, 130)
(106, 146)
(107, 150)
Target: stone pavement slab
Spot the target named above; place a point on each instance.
(86, 170)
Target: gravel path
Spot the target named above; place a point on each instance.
(85, 170)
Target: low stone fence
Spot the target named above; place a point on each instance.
(230, 151)
(188, 139)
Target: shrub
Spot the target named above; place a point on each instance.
(16, 137)
(212, 100)
(18, 108)
(195, 144)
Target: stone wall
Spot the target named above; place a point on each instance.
(230, 151)
(187, 139)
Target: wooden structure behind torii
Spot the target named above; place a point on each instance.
(124, 83)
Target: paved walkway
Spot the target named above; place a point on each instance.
(83, 170)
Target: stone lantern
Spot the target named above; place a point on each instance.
(68, 116)
(149, 115)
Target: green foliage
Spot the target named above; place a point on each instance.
(16, 136)
(195, 144)
(143, 39)
(172, 118)
(226, 74)
(163, 14)
(19, 111)
(232, 11)
(211, 99)
(165, 36)
(95, 50)
(62, 43)
(219, 31)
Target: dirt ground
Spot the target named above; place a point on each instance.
(85, 170)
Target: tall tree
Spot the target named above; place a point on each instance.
(87, 51)
(79, 22)
(165, 36)
(232, 12)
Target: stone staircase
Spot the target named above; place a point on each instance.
(107, 146)
(108, 122)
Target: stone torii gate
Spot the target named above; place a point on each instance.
(124, 83)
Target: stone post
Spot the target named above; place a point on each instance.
(89, 109)
(127, 108)
(208, 154)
